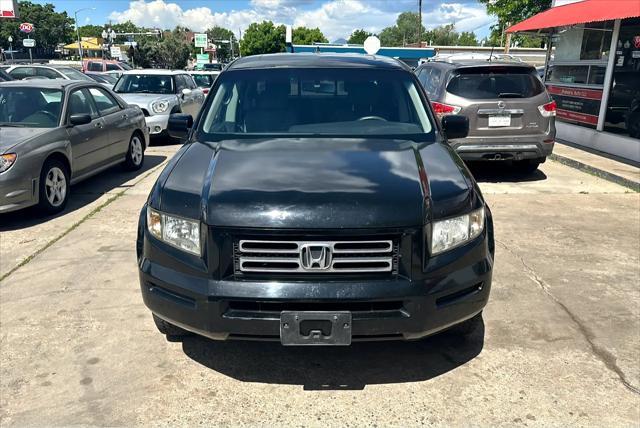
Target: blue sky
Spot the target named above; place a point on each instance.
(336, 18)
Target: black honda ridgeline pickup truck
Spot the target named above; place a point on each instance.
(316, 202)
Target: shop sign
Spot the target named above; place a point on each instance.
(577, 104)
(26, 27)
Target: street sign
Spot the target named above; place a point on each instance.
(116, 52)
(372, 45)
(202, 58)
(134, 44)
(26, 27)
(29, 43)
(200, 40)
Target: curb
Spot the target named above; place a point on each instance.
(614, 178)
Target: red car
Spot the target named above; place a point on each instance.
(101, 65)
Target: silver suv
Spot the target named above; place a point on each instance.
(511, 115)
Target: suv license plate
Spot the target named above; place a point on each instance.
(315, 328)
(500, 120)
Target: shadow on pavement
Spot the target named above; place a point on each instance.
(502, 172)
(81, 194)
(336, 368)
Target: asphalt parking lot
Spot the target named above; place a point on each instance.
(560, 345)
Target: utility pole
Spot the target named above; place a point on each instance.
(419, 23)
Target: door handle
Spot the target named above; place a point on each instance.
(124, 116)
(98, 125)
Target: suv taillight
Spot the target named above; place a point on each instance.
(548, 109)
(441, 109)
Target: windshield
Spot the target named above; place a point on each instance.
(212, 66)
(125, 66)
(30, 107)
(203, 80)
(74, 74)
(330, 101)
(145, 84)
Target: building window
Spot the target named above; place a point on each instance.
(623, 108)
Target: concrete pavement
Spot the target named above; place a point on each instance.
(560, 346)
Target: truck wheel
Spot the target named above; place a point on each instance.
(466, 328)
(633, 124)
(54, 187)
(167, 328)
(135, 154)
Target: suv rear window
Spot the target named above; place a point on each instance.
(495, 82)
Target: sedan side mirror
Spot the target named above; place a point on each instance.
(79, 119)
(185, 92)
(455, 126)
(179, 125)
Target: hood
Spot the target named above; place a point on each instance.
(145, 100)
(311, 183)
(9, 137)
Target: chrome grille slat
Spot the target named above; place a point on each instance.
(351, 256)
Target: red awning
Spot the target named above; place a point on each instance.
(579, 13)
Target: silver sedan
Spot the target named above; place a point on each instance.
(54, 133)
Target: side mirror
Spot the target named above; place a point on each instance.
(455, 126)
(185, 91)
(179, 125)
(79, 119)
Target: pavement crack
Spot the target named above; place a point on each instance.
(606, 357)
(78, 223)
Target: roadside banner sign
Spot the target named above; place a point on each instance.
(26, 27)
(8, 9)
(29, 43)
(200, 40)
(116, 52)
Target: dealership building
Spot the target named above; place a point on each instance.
(594, 72)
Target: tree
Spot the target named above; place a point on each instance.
(263, 38)
(172, 51)
(223, 50)
(510, 12)
(308, 36)
(50, 27)
(358, 37)
(91, 30)
(467, 39)
(405, 31)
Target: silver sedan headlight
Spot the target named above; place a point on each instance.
(453, 232)
(179, 232)
(6, 161)
(160, 106)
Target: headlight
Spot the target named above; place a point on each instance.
(6, 161)
(176, 231)
(452, 232)
(160, 106)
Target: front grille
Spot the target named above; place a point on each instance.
(316, 257)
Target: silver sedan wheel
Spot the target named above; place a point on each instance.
(55, 186)
(136, 150)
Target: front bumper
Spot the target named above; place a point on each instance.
(381, 309)
(501, 148)
(157, 124)
(17, 190)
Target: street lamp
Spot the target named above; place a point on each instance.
(108, 35)
(10, 40)
(75, 14)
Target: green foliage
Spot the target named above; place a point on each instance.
(467, 39)
(307, 36)
(91, 30)
(358, 37)
(50, 26)
(263, 38)
(446, 35)
(172, 51)
(223, 50)
(510, 12)
(404, 32)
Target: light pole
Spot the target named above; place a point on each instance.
(108, 35)
(75, 15)
(10, 40)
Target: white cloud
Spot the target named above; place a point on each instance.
(466, 17)
(335, 18)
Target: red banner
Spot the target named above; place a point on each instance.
(577, 117)
(590, 94)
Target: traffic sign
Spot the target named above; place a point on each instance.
(200, 40)
(29, 43)
(116, 52)
(26, 27)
